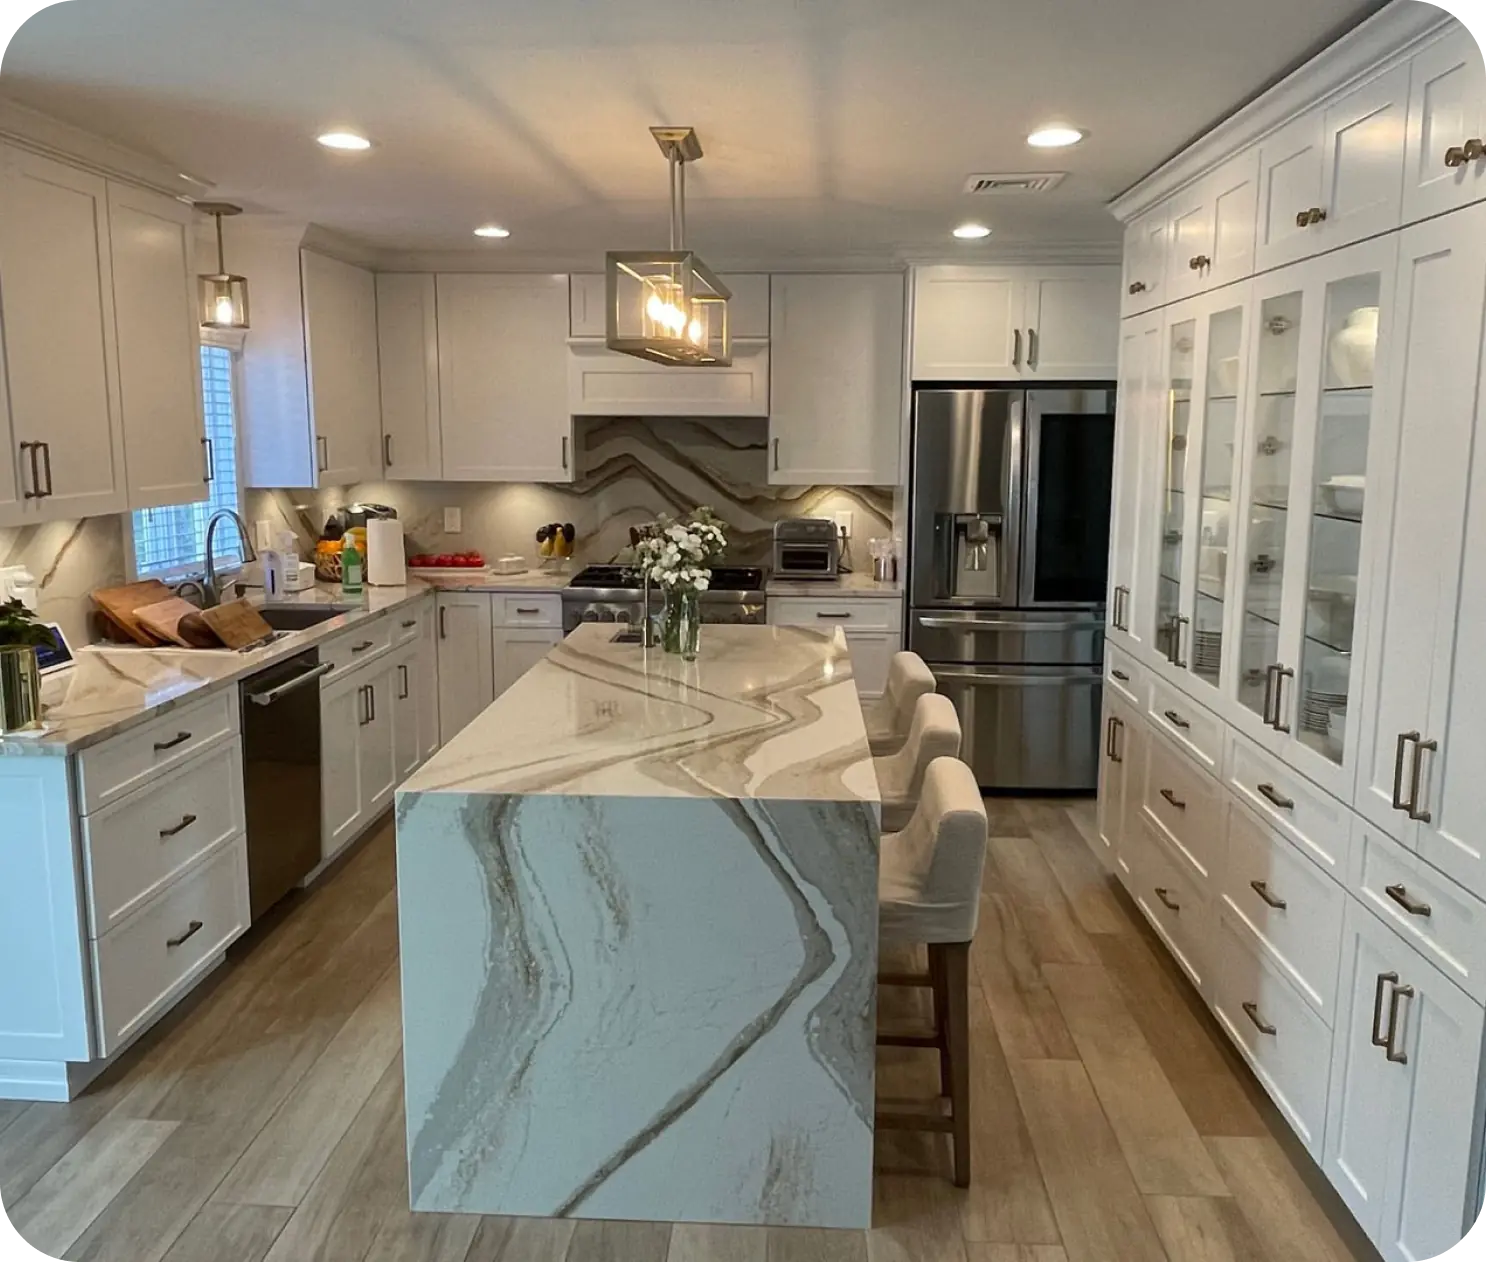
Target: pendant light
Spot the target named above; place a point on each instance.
(667, 306)
(224, 297)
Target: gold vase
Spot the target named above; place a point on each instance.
(20, 689)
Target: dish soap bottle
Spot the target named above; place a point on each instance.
(351, 566)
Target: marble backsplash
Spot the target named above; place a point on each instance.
(627, 471)
(69, 559)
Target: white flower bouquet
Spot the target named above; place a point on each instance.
(677, 557)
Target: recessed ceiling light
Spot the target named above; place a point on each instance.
(1058, 137)
(972, 231)
(344, 140)
(492, 230)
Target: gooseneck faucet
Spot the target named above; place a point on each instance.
(212, 585)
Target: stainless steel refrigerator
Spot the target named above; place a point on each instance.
(1008, 559)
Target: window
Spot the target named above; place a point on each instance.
(172, 540)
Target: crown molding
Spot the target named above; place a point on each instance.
(1375, 45)
(1042, 253)
(505, 259)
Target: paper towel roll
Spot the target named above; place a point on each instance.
(386, 560)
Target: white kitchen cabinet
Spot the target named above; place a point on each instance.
(154, 287)
(1014, 324)
(515, 650)
(1447, 110)
(341, 720)
(407, 709)
(10, 485)
(1139, 420)
(61, 347)
(873, 626)
(836, 380)
(376, 743)
(428, 685)
(408, 366)
(1405, 1065)
(1211, 242)
(503, 378)
(1119, 772)
(340, 338)
(1143, 279)
(465, 660)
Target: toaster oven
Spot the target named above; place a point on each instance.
(806, 547)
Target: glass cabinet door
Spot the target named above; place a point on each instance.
(1181, 345)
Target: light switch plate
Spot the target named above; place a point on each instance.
(843, 523)
(453, 521)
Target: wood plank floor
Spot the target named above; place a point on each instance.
(1112, 1122)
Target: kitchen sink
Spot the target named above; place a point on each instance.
(300, 617)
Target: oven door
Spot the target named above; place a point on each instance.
(804, 560)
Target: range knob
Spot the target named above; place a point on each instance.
(590, 615)
(606, 616)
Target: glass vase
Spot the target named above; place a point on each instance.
(683, 622)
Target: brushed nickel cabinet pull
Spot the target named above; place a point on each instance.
(1400, 895)
(1120, 675)
(443, 625)
(322, 450)
(1110, 751)
(1180, 662)
(1173, 799)
(776, 455)
(1136, 287)
(1261, 888)
(1281, 674)
(1384, 979)
(410, 624)
(210, 453)
(1176, 719)
(371, 697)
(1455, 156)
(387, 451)
(1016, 348)
(35, 492)
(1165, 897)
(1303, 219)
(1279, 799)
(1032, 356)
(180, 738)
(520, 610)
(1396, 1056)
(46, 463)
(1251, 1010)
(192, 930)
(564, 451)
(1473, 149)
(406, 686)
(186, 822)
(1317, 215)
(362, 647)
(1398, 754)
(1420, 748)
(820, 614)
(1268, 720)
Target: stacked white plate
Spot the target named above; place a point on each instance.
(1316, 708)
(1207, 651)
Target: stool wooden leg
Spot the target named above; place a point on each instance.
(941, 1013)
(955, 970)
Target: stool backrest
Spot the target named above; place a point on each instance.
(908, 679)
(942, 853)
(934, 733)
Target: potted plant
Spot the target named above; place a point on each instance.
(20, 675)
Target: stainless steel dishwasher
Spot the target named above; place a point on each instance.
(281, 775)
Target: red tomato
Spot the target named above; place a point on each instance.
(444, 561)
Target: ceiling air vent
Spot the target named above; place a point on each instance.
(1021, 182)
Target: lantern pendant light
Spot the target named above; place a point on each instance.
(224, 297)
(667, 306)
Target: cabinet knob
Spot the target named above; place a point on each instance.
(1136, 287)
(1198, 262)
(1455, 156)
(1473, 150)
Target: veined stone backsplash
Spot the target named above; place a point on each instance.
(627, 471)
(70, 559)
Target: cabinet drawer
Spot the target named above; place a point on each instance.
(1163, 887)
(1446, 924)
(1187, 723)
(108, 771)
(361, 644)
(1304, 936)
(1294, 1061)
(137, 846)
(1315, 821)
(1124, 675)
(1184, 803)
(407, 623)
(143, 964)
(528, 611)
(859, 614)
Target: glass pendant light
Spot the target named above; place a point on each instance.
(667, 306)
(224, 297)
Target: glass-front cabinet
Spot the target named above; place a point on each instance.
(1306, 453)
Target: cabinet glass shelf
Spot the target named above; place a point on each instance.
(1310, 637)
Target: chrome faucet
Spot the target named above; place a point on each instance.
(212, 584)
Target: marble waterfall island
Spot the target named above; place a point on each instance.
(638, 907)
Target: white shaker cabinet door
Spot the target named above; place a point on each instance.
(465, 654)
(408, 365)
(55, 272)
(1072, 319)
(154, 283)
(1363, 148)
(428, 686)
(1142, 284)
(341, 716)
(1290, 163)
(517, 649)
(407, 707)
(1447, 108)
(376, 745)
(340, 334)
(10, 484)
(1137, 422)
(967, 324)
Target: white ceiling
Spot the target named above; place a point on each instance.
(833, 129)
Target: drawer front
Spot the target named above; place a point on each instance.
(528, 611)
(407, 623)
(873, 613)
(1315, 821)
(1187, 723)
(1288, 904)
(119, 766)
(362, 644)
(1124, 675)
(142, 965)
(1184, 803)
(1431, 911)
(137, 846)
(1163, 887)
(1251, 997)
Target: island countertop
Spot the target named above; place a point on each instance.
(765, 712)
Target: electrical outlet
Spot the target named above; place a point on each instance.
(843, 523)
(453, 521)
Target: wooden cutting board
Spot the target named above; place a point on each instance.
(119, 604)
(237, 624)
(178, 621)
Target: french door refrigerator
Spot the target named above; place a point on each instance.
(1008, 556)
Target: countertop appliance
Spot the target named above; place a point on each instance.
(386, 554)
(613, 593)
(1009, 554)
(281, 775)
(806, 547)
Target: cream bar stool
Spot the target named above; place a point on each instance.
(934, 733)
(929, 892)
(891, 715)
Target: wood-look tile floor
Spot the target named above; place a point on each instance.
(1112, 1123)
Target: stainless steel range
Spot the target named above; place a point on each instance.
(613, 593)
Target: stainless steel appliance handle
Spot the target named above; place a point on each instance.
(1420, 747)
(1398, 755)
(1008, 624)
(1001, 677)
(293, 685)
(1384, 979)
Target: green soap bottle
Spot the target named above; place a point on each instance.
(350, 567)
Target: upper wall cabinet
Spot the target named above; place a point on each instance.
(1334, 175)
(340, 339)
(1212, 229)
(503, 378)
(836, 406)
(1143, 284)
(1016, 323)
(408, 362)
(1445, 163)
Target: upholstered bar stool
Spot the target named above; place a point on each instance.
(929, 893)
(934, 733)
(891, 715)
